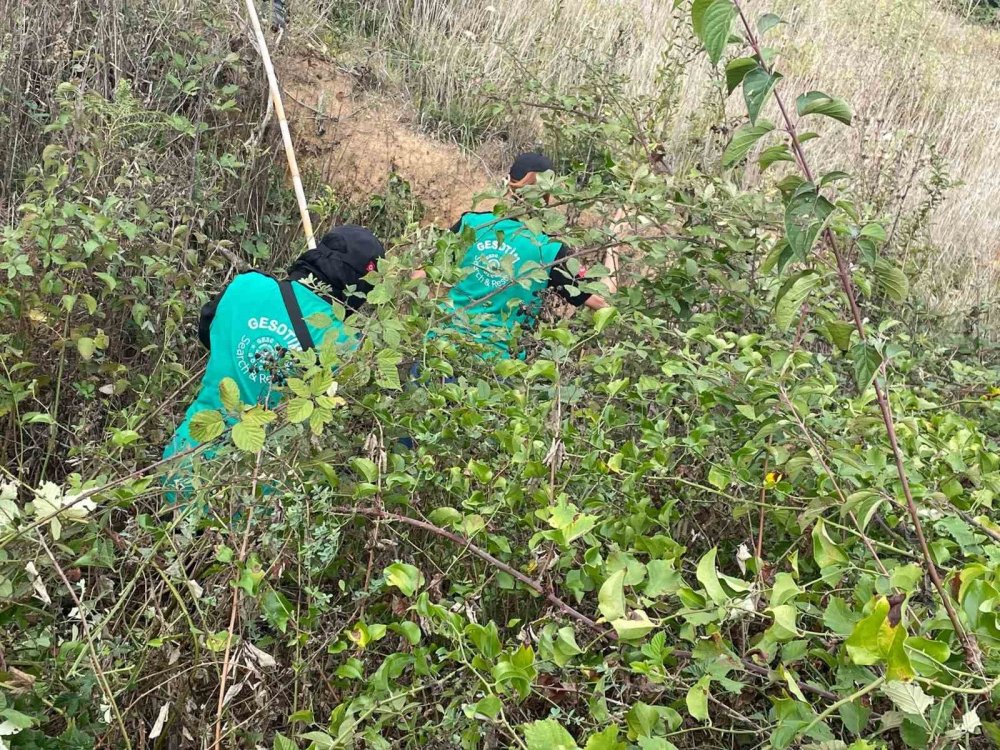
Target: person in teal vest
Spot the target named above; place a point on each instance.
(506, 269)
(257, 319)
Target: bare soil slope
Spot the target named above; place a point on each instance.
(355, 139)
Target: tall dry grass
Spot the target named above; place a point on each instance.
(916, 75)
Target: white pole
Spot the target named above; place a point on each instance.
(279, 111)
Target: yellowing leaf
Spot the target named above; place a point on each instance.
(708, 576)
(697, 699)
(548, 734)
(611, 597)
(206, 425)
(405, 577)
(299, 410)
(863, 644)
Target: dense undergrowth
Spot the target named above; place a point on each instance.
(675, 524)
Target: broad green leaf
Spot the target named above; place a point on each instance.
(366, 467)
(840, 332)
(863, 645)
(281, 742)
(405, 577)
(773, 154)
(818, 103)
(444, 517)
(248, 437)
(409, 630)
(826, 552)
(874, 232)
(86, 346)
(908, 697)
(866, 361)
(892, 279)
(708, 576)
(936, 650)
(898, 665)
(743, 140)
(606, 739)
(548, 734)
(663, 578)
(697, 699)
(792, 295)
(712, 21)
(207, 425)
(387, 363)
(229, 393)
(604, 316)
(784, 627)
(277, 609)
(299, 410)
(611, 597)
(805, 216)
(767, 22)
(736, 71)
(319, 740)
(633, 628)
(757, 84)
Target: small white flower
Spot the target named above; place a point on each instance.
(8, 490)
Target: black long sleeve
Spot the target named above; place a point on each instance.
(560, 279)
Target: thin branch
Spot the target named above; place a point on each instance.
(970, 646)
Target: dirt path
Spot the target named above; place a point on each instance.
(355, 139)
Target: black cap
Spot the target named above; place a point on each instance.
(530, 162)
(344, 255)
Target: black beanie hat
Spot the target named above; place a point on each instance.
(344, 255)
(530, 162)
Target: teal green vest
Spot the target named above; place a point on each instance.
(249, 326)
(504, 273)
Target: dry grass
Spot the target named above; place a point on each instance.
(915, 74)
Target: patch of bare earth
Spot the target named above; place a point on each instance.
(355, 139)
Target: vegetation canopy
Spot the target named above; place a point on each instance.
(751, 505)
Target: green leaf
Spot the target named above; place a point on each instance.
(792, 295)
(387, 363)
(898, 665)
(708, 576)
(892, 279)
(757, 84)
(445, 517)
(805, 216)
(908, 697)
(366, 467)
(86, 346)
(838, 618)
(767, 22)
(663, 578)
(736, 71)
(405, 577)
(248, 437)
(319, 740)
(633, 628)
(818, 103)
(874, 232)
(712, 21)
(773, 154)
(548, 734)
(697, 699)
(207, 425)
(743, 140)
(277, 609)
(604, 316)
(840, 333)
(863, 645)
(299, 410)
(866, 360)
(606, 739)
(409, 630)
(229, 393)
(784, 627)
(611, 597)
(826, 552)
(281, 742)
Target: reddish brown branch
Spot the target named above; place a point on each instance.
(969, 644)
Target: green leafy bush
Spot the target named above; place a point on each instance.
(678, 524)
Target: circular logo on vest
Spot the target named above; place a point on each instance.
(494, 263)
(257, 354)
